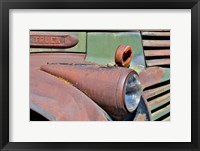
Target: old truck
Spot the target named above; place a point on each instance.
(100, 75)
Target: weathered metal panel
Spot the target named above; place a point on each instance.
(38, 59)
(101, 47)
(151, 53)
(156, 43)
(57, 100)
(155, 33)
(157, 62)
(80, 47)
(154, 75)
(39, 79)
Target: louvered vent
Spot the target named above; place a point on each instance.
(156, 46)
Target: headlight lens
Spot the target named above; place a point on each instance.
(133, 92)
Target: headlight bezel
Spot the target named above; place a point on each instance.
(132, 106)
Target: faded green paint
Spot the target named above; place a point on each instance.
(80, 47)
(166, 74)
(101, 47)
(138, 68)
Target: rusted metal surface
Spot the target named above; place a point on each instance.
(159, 101)
(142, 112)
(156, 43)
(38, 59)
(157, 62)
(153, 75)
(45, 40)
(153, 92)
(150, 53)
(123, 55)
(161, 112)
(55, 99)
(155, 33)
(105, 85)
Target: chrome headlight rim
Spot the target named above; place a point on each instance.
(133, 101)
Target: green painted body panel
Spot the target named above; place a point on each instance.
(101, 47)
(166, 74)
(137, 68)
(80, 47)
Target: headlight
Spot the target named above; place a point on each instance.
(133, 92)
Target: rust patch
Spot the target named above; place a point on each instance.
(123, 55)
(151, 76)
(50, 96)
(141, 117)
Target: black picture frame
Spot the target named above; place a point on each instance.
(5, 5)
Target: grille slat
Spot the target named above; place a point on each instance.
(157, 62)
(153, 92)
(167, 119)
(159, 101)
(161, 52)
(160, 112)
(155, 33)
(156, 43)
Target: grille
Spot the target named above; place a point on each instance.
(156, 46)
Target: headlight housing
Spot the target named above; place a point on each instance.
(117, 90)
